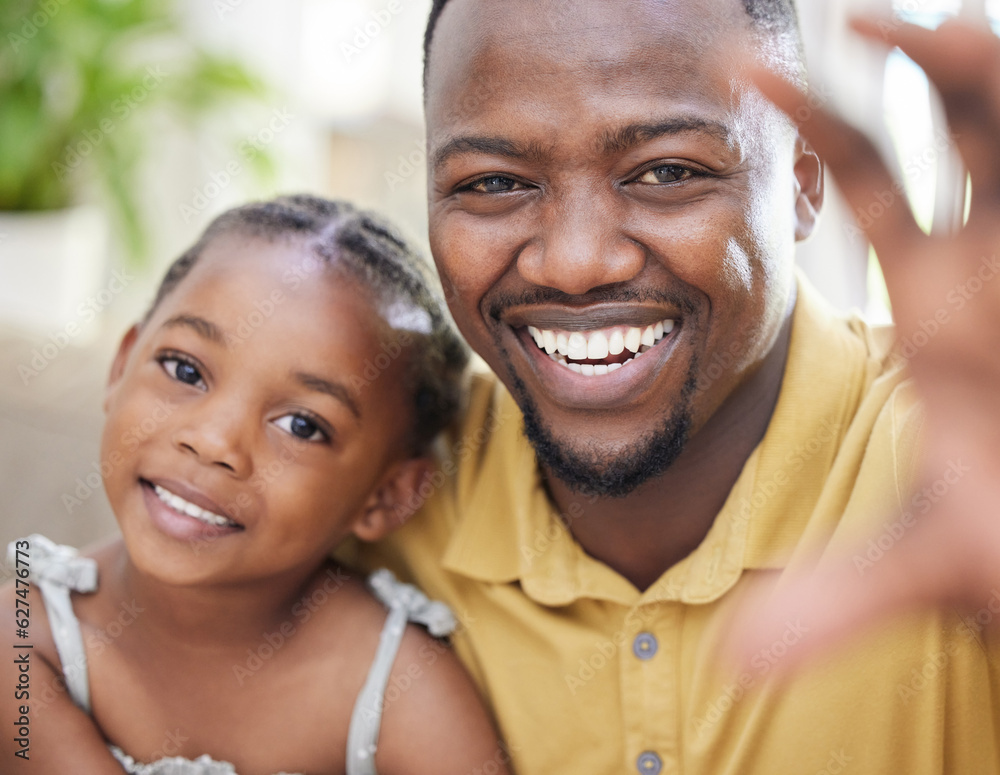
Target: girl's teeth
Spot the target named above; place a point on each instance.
(658, 331)
(177, 503)
(562, 344)
(648, 337)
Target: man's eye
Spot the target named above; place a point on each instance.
(495, 184)
(301, 427)
(668, 173)
(182, 371)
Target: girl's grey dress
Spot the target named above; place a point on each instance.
(57, 570)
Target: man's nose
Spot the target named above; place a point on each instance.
(215, 432)
(580, 244)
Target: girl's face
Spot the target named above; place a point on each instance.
(249, 425)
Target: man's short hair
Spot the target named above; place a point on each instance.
(776, 18)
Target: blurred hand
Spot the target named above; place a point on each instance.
(952, 556)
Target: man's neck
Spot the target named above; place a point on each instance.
(645, 533)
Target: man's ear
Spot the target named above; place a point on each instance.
(400, 494)
(808, 188)
(118, 364)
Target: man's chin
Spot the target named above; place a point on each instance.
(593, 469)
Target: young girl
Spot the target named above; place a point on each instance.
(279, 396)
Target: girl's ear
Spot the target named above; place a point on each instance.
(395, 500)
(118, 365)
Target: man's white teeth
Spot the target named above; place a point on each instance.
(616, 344)
(564, 347)
(177, 503)
(597, 347)
(633, 340)
(549, 340)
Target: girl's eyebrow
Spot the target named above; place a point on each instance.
(336, 390)
(204, 328)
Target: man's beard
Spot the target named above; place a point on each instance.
(590, 471)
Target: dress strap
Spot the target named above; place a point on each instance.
(57, 570)
(405, 603)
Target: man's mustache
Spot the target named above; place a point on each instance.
(501, 301)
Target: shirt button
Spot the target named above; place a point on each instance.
(649, 763)
(644, 646)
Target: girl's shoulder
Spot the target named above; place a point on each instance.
(35, 561)
(342, 607)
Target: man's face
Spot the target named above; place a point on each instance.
(613, 215)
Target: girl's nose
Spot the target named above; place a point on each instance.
(217, 437)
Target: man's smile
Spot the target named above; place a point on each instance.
(600, 352)
(597, 356)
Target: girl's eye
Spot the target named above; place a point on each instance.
(668, 173)
(301, 427)
(495, 184)
(182, 371)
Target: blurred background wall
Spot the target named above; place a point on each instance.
(302, 95)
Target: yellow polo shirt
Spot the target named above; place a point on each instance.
(585, 674)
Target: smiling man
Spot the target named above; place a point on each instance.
(613, 211)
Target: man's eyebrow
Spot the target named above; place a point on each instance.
(494, 146)
(632, 135)
(336, 390)
(204, 328)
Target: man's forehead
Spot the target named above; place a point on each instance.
(590, 32)
(609, 67)
(505, 49)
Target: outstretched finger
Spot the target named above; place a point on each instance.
(963, 62)
(857, 165)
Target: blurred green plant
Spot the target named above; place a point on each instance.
(75, 75)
